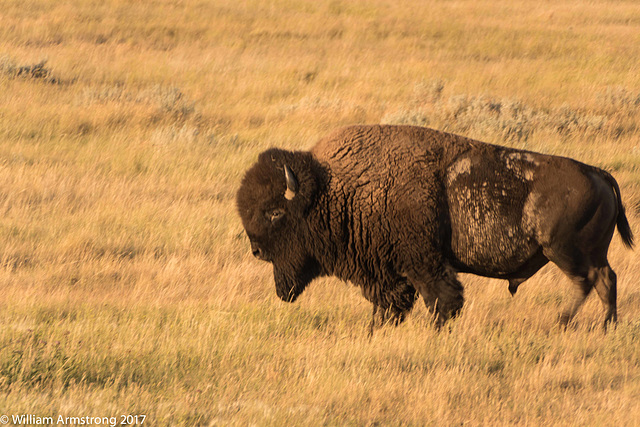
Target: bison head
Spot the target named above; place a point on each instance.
(273, 201)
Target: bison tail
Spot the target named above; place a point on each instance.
(623, 227)
(623, 224)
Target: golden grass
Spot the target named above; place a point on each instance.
(127, 286)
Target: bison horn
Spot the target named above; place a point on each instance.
(292, 183)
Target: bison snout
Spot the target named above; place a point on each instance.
(258, 252)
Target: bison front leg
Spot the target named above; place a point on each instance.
(392, 315)
(442, 294)
(378, 314)
(372, 325)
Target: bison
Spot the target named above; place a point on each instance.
(400, 209)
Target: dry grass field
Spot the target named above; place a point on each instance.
(126, 282)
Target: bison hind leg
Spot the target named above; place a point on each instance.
(606, 287)
(584, 278)
(604, 280)
(581, 289)
(587, 269)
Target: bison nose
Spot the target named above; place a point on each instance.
(257, 252)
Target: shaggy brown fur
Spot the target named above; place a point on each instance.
(395, 209)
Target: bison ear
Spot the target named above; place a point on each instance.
(292, 183)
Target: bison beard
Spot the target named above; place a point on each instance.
(292, 279)
(400, 210)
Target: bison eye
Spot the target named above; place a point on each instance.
(275, 214)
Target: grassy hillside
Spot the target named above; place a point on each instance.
(126, 282)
